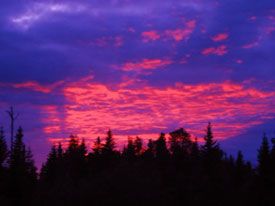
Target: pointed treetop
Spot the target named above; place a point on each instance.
(209, 139)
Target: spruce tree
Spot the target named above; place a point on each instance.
(22, 171)
(3, 148)
(161, 148)
(129, 151)
(48, 171)
(264, 158)
(138, 146)
(109, 146)
(97, 148)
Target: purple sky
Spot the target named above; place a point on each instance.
(139, 68)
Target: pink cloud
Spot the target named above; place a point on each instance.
(220, 37)
(37, 87)
(249, 46)
(150, 35)
(180, 34)
(176, 34)
(221, 50)
(239, 61)
(93, 108)
(116, 41)
(131, 30)
(145, 64)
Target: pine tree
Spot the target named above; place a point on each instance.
(211, 153)
(109, 146)
(73, 144)
(210, 149)
(161, 148)
(59, 152)
(210, 144)
(264, 158)
(3, 148)
(48, 170)
(97, 148)
(129, 151)
(240, 171)
(150, 151)
(138, 146)
(22, 171)
(83, 149)
(195, 152)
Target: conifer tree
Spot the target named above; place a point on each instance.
(129, 151)
(150, 151)
(195, 152)
(82, 148)
(3, 148)
(264, 158)
(109, 146)
(161, 148)
(22, 170)
(73, 144)
(48, 170)
(138, 146)
(240, 171)
(210, 144)
(97, 148)
(59, 151)
(210, 149)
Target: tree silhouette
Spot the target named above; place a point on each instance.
(108, 149)
(264, 158)
(97, 147)
(188, 174)
(180, 142)
(110, 143)
(210, 149)
(138, 144)
(22, 171)
(48, 170)
(129, 151)
(195, 152)
(161, 147)
(150, 151)
(13, 117)
(3, 148)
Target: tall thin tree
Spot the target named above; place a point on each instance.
(13, 117)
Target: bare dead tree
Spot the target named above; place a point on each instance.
(13, 117)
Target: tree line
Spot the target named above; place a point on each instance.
(171, 170)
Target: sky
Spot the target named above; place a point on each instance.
(138, 68)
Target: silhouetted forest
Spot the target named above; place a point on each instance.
(172, 170)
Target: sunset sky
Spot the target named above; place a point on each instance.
(139, 68)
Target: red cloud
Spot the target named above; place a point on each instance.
(221, 50)
(150, 35)
(179, 34)
(220, 37)
(145, 64)
(239, 61)
(37, 87)
(249, 46)
(107, 41)
(93, 108)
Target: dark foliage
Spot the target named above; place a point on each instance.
(178, 172)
